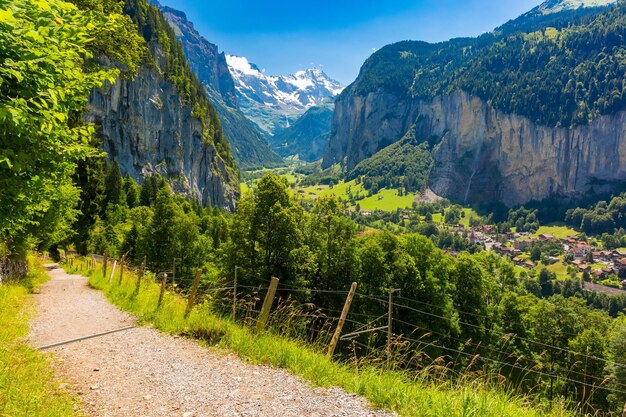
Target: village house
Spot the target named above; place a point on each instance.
(524, 244)
(547, 238)
(576, 253)
(599, 274)
(619, 265)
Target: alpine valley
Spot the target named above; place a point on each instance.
(532, 110)
(445, 236)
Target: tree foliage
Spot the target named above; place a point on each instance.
(603, 217)
(405, 164)
(43, 88)
(557, 72)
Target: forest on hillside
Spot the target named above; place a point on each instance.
(556, 74)
(477, 303)
(469, 311)
(54, 54)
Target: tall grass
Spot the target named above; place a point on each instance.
(27, 384)
(408, 394)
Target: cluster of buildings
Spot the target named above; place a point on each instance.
(577, 253)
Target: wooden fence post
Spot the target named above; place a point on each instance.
(342, 320)
(122, 267)
(174, 272)
(192, 297)
(112, 271)
(140, 275)
(104, 263)
(235, 295)
(163, 282)
(267, 305)
(390, 322)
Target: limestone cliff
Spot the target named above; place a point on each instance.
(147, 128)
(363, 125)
(533, 111)
(484, 154)
(247, 144)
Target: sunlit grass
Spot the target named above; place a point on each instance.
(402, 392)
(27, 385)
(388, 200)
(245, 189)
(465, 220)
(558, 231)
(385, 200)
(558, 268)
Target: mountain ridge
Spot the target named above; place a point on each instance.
(248, 145)
(559, 86)
(307, 137)
(273, 102)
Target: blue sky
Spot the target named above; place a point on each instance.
(337, 35)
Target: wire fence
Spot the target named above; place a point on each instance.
(372, 338)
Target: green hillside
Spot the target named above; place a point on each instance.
(404, 164)
(561, 75)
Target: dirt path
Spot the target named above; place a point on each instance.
(141, 372)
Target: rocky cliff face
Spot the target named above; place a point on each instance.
(146, 128)
(483, 154)
(248, 145)
(363, 125)
(206, 61)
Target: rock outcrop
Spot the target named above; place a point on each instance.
(205, 60)
(247, 144)
(145, 126)
(484, 155)
(363, 125)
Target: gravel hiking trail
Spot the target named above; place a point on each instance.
(141, 372)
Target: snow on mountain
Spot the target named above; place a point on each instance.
(555, 6)
(274, 102)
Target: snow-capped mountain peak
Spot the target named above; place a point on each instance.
(555, 6)
(278, 98)
(299, 91)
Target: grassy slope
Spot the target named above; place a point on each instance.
(558, 231)
(408, 396)
(390, 200)
(27, 387)
(438, 218)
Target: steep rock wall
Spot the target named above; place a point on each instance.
(484, 155)
(363, 125)
(147, 129)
